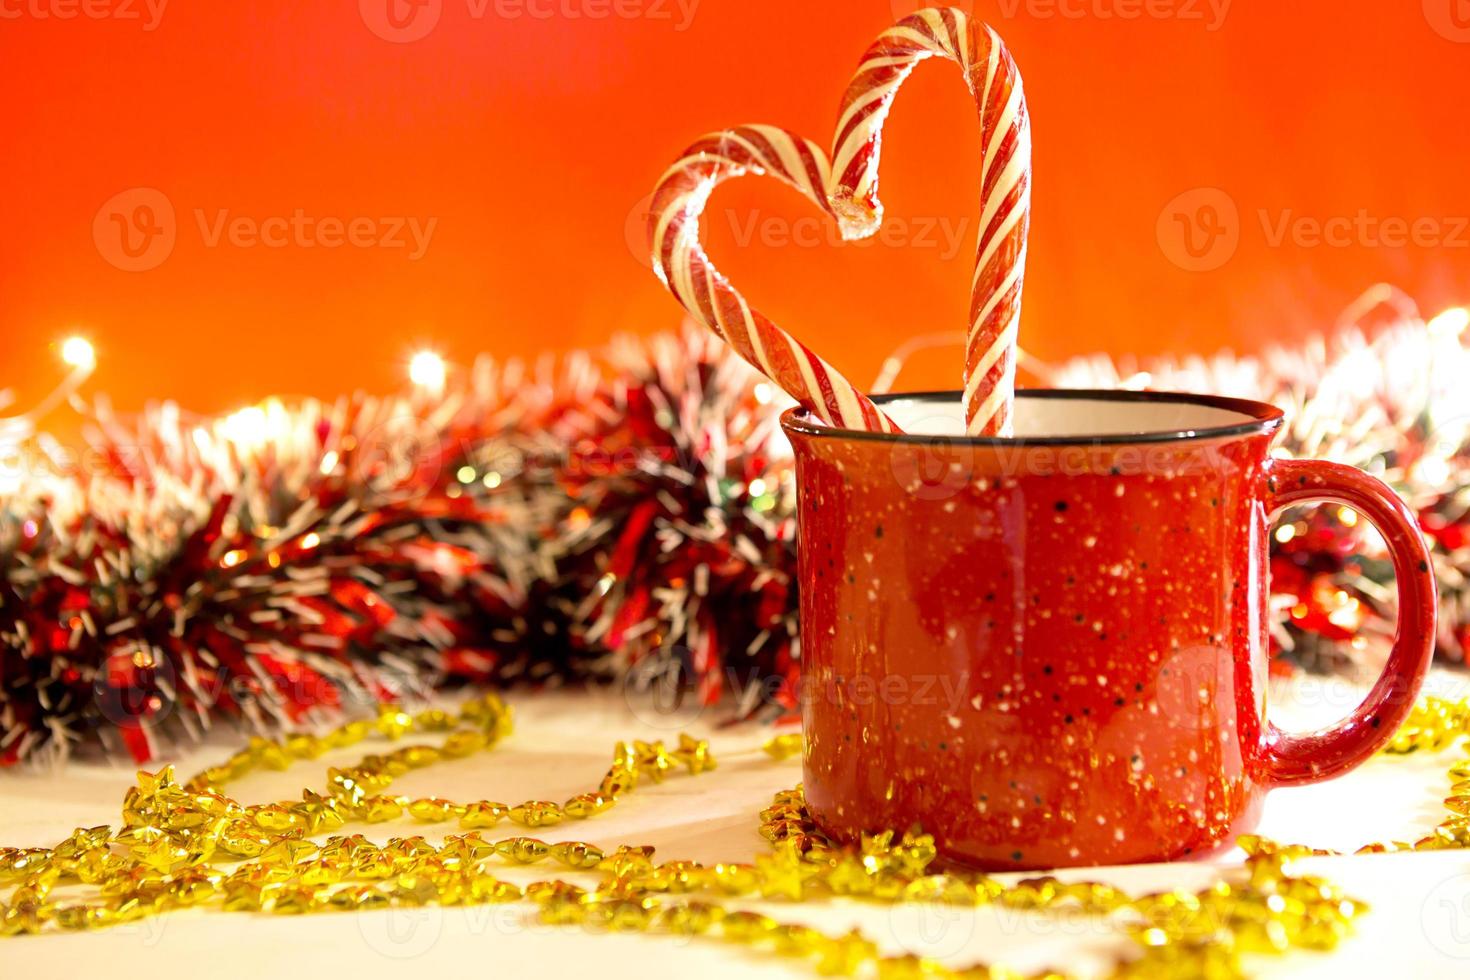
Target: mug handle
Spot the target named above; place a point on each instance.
(1295, 759)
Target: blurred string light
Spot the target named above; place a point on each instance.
(246, 428)
(78, 354)
(253, 430)
(1450, 324)
(427, 371)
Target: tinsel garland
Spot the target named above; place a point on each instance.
(580, 521)
(625, 518)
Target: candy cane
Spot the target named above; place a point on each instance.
(680, 261)
(1005, 179)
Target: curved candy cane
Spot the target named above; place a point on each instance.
(680, 261)
(847, 188)
(1005, 179)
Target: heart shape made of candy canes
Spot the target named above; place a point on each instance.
(845, 185)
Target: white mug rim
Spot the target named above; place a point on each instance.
(1260, 418)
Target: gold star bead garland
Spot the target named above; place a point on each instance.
(189, 844)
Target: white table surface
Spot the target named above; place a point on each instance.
(1419, 925)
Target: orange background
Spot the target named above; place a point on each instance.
(533, 140)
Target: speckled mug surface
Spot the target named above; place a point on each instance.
(1051, 650)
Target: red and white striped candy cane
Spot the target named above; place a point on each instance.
(680, 261)
(1005, 178)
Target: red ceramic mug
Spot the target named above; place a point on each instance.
(1052, 650)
